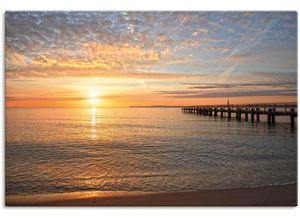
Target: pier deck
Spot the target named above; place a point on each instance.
(250, 111)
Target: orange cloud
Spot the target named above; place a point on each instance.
(124, 55)
(199, 31)
(44, 61)
(14, 58)
(90, 55)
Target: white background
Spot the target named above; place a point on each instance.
(135, 212)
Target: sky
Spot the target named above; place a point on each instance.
(120, 59)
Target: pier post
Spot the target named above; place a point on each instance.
(252, 114)
(246, 114)
(269, 115)
(292, 112)
(221, 112)
(216, 112)
(210, 111)
(273, 116)
(238, 113)
(257, 114)
(229, 113)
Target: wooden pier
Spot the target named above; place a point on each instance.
(251, 112)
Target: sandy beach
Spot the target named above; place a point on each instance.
(261, 196)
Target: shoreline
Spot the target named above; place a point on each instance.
(281, 195)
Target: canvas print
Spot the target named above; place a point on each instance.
(150, 108)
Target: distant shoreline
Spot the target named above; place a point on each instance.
(284, 195)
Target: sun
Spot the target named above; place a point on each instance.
(93, 97)
(93, 101)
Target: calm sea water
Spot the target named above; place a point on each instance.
(142, 149)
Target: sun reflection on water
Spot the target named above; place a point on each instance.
(93, 123)
(93, 119)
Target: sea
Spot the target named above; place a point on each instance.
(61, 150)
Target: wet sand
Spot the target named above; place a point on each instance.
(261, 196)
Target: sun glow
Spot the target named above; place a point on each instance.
(93, 101)
(93, 111)
(93, 97)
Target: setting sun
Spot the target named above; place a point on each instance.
(93, 101)
(94, 97)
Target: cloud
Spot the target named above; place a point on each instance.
(243, 94)
(93, 59)
(240, 85)
(194, 94)
(217, 90)
(94, 73)
(65, 36)
(55, 98)
(30, 99)
(199, 31)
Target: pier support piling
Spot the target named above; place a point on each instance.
(273, 115)
(292, 118)
(239, 114)
(246, 114)
(269, 115)
(252, 114)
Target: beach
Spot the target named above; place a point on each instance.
(285, 195)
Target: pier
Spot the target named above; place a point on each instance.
(251, 112)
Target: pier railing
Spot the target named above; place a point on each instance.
(253, 110)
